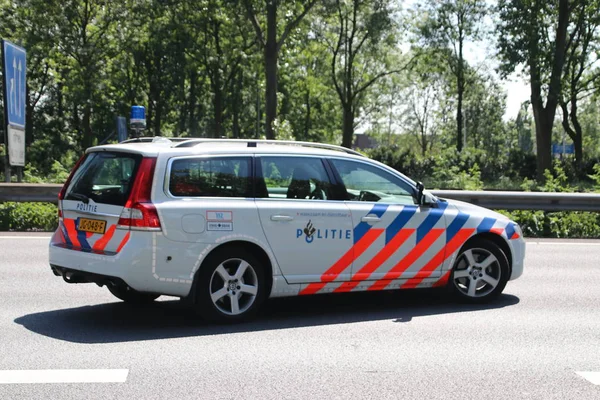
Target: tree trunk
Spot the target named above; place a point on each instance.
(307, 116)
(271, 55)
(578, 138)
(235, 105)
(217, 106)
(88, 139)
(157, 117)
(543, 134)
(460, 84)
(348, 126)
(192, 119)
(28, 117)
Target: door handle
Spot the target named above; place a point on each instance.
(370, 219)
(281, 218)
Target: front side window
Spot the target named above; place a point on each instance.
(368, 183)
(211, 177)
(295, 178)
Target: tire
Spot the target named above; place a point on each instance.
(129, 295)
(230, 286)
(480, 272)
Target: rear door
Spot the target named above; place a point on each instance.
(94, 200)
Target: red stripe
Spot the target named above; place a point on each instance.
(456, 242)
(443, 280)
(515, 235)
(101, 243)
(497, 231)
(407, 261)
(71, 231)
(344, 262)
(366, 271)
(123, 242)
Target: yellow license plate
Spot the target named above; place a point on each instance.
(91, 225)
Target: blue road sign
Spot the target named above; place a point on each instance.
(15, 72)
(563, 149)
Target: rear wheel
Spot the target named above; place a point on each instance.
(231, 286)
(129, 295)
(480, 272)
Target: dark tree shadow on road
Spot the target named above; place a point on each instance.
(120, 322)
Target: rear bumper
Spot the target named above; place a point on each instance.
(74, 276)
(133, 265)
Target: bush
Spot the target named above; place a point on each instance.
(28, 217)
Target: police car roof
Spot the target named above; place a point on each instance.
(179, 146)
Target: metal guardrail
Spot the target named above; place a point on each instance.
(542, 201)
(35, 192)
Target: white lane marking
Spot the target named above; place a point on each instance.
(565, 243)
(26, 237)
(64, 376)
(592, 376)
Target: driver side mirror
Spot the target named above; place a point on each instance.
(420, 188)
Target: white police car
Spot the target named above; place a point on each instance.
(230, 223)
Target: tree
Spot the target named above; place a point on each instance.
(579, 79)
(271, 42)
(219, 43)
(446, 27)
(83, 29)
(533, 33)
(361, 39)
(427, 83)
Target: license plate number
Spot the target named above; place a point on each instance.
(91, 225)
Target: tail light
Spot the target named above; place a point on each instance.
(63, 191)
(139, 212)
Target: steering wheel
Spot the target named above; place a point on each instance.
(365, 195)
(317, 194)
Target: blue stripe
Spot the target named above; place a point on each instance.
(510, 230)
(458, 222)
(85, 246)
(398, 223)
(486, 225)
(363, 227)
(432, 218)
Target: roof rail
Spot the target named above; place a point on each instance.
(150, 139)
(254, 142)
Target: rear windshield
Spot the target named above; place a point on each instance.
(104, 177)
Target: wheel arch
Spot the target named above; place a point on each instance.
(498, 241)
(252, 248)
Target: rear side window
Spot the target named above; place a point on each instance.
(104, 177)
(211, 177)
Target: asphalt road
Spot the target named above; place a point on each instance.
(530, 344)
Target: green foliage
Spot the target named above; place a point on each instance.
(28, 217)
(574, 224)
(58, 174)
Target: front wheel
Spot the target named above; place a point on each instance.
(480, 272)
(129, 295)
(231, 286)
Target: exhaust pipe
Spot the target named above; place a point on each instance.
(71, 277)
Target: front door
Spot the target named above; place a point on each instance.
(307, 229)
(401, 239)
